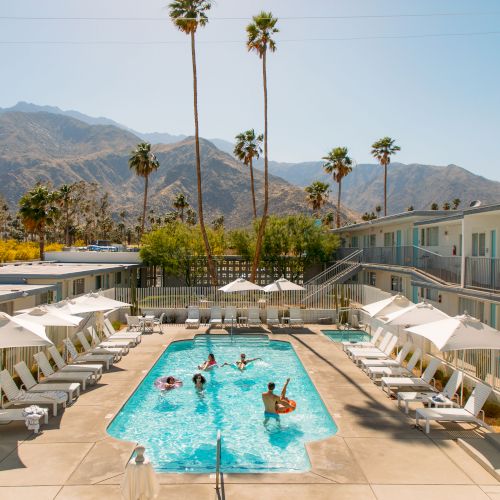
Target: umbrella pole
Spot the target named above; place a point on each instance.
(462, 386)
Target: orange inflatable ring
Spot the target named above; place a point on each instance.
(288, 410)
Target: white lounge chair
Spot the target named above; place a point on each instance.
(124, 345)
(111, 334)
(446, 396)
(133, 323)
(193, 317)
(397, 361)
(353, 350)
(369, 343)
(96, 369)
(295, 318)
(360, 356)
(469, 413)
(254, 317)
(389, 383)
(18, 397)
(8, 415)
(116, 352)
(85, 358)
(215, 316)
(51, 375)
(272, 318)
(376, 372)
(72, 389)
(230, 316)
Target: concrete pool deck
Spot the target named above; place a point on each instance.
(376, 454)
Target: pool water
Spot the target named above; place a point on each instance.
(347, 335)
(179, 427)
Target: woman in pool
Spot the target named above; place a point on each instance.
(199, 381)
(242, 363)
(208, 364)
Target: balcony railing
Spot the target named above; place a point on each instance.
(446, 268)
(482, 272)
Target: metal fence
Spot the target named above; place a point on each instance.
(482, 272)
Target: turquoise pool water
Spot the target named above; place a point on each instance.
(347, 335)
(179, 427)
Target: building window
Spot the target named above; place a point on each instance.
(396, 283)
(473, 307)
(78, 286)
(429, 294)
(478, 244)
(354, 242)
(388, 239)
(118, 278)
(369, 240)
(430, 237)
(371, 278)
(98, 282)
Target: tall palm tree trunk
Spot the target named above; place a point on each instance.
(253, 189)
(338, 204)
(41, 243)
(210, 262)
(385, 188)
(263, 222)
(144, 205)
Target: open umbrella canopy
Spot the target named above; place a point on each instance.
(46, 316)
(282, 285)
(458, 333)
(90, 302)
(240, 285)
(415, 314)
(16, 332)
(387, 306)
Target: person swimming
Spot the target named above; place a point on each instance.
(208, 364)
(242, 363)
(199, 381)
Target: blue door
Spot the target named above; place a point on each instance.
(414, 294)
(398, 248)
(493, 277)
(415, 245)
(493, 315)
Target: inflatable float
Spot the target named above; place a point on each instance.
(288, 410)
(162, 384)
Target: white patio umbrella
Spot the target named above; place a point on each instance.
(240, 285)
(282, 285)
(384, 307)
(16, 332)
(459, 333)
(46, 316)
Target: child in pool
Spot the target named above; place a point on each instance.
(208, 364)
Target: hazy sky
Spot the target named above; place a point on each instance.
(333, 81)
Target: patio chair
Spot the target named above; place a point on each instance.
(254, 317)
(110, 332)
(124, 345)
(158, 322)
(133, 323)
(385, 353)
(389, 383)
(72, 389)
(18, 397)
(8, 415)
(295, 318)
(230, 317)
(215, 316)
(63, 367)
(272, 318)
(85, 358)
(469, 413)
(51, 375)
(370, 343)
(377, 372)
(116, 352)
(397, 361)
(352, 350)
(193, 317)
(446, 396)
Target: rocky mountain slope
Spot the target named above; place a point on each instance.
(51, 147)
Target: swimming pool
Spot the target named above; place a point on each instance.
(347, 335)
(179, 427)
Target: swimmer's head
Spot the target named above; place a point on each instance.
(243, 356)
(211, 357)
(271, 386)
(198, 377)
(170, 380)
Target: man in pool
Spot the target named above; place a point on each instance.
(274, 403)
(242, 363)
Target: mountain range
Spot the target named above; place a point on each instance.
(45, 146)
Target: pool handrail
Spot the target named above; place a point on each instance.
(217, 461)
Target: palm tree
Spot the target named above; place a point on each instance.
(446, 205)
(259, 40)
(187, 16)
(339, 164)
(247, 148)
(180, 204)
(143, 162)
(456, 202)
(327, 219)
(382, 151)
(378, 209)
(38, 210)
(317, 195)
(434, 206)
(64, 198)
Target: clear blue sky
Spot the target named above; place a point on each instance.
(438, 96)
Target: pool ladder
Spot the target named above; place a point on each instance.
(217, 462)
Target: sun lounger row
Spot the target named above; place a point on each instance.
(374, 358)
